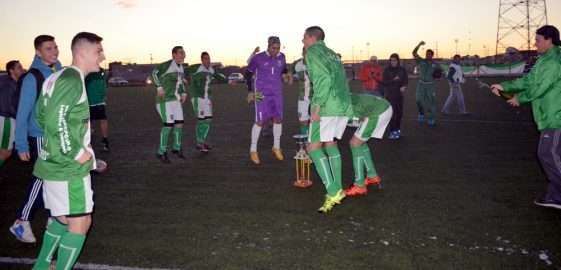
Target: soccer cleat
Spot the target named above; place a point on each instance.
(548, 203)
(201, 147)
(421, 118)
(163, 158)
(178, 153)
(373, 181)
(277, 152)
(330, 202)
(393, 135)
(254, 157)
(302, 183)
(22, 231)
(207, 146)
(355, 190)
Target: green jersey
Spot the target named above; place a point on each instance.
(96, 86)
(542, 87)
(201, 77)
(368, 106)
(304, 84)
(63, 114)
(426, 67)
(331, 90)
(169, 76)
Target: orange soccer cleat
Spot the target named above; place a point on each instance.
(376, 180)
(355, 190)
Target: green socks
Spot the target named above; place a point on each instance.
(203, 127)
(358, 164)
(70, 247)
(328, 168)
(370, 169)
(323, 169)
(164, 136)
(177, 138)
(51, 240)
(1, 162)
(336, 166)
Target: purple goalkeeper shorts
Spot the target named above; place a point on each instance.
(268, 108)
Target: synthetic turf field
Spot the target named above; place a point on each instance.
(456, 196)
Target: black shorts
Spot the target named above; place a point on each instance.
(97, 112)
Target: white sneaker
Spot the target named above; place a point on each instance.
(22, 231)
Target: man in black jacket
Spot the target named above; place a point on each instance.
(395, 83)
(8, 106)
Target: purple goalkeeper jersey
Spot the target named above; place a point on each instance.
(268, 72)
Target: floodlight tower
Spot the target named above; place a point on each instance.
(518, 21)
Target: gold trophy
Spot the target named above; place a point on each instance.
(303, 162)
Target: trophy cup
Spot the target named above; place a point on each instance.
(303, 162)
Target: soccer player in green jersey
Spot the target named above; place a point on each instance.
(374, 114)
(96, 86)
(66, 156)
(330, 111)
(304, 92)
(200, 94)
(168, 78)
(426, 93)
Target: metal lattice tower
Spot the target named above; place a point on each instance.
(518, 22)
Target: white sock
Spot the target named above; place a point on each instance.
(255, 132)
(277, 132)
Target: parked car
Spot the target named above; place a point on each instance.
(236, 77)
(118, 81)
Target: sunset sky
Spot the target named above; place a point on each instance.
(229, 30)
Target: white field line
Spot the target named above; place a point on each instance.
(83, 266)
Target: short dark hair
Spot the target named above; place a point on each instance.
(430, 51)
(457, 55)
(39, 40)
(203, 54)
(85, 36)
(316, 31)
(394, 55)
(550, 32)
(176, 48)
(11, 65)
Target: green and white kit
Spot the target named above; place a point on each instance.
(63, 114)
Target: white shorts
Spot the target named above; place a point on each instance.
(303, 110)
(327, 129)
(374, 127)
(202, 108)
(70, 197)
(170, 111)
(7, 132)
